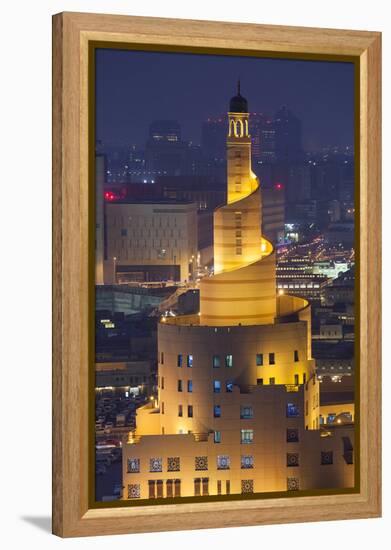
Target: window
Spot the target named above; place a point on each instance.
(217, 437)
(155, 464)
(246, 411)
(292, 459)
(247, 486)
(326, 458)
(124, 232)
(133, 465)
(217, 411)
(259, 381)
(228, 487)
(272, 381)
(134, 490)
(216, 361)
(179, 360)
(296, 355)
(173, 464)
(304, 378)
(246, 436)
(223, 462)
(179, 385)
(205, 486)
(292, 410)
(229, 386)
(296, 379)
(201, 463)
(306, 408)
(177, 486)
(292, 483)
(190, 386)
(162, 383)
(190, 411)
(272, 359)
(180, 410)
(162, 409)
(259, 359)
(201, 482)
(228, 361)
(159, 488)
(292, 435)
(189, 361)
(162, 358)
(219, 487)
(238, 251)
(197, 487)
(216, 386)
(169, 488)
(246, 462)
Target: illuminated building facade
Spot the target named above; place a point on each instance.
(237, 409)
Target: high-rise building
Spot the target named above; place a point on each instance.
(165, 152)
(237, 410)
(288, 140)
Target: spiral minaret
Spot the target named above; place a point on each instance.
(242, 289)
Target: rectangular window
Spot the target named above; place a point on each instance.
(238, 251)
(205, 486)
(162, 358)
(246, 412)
(190, 386)
(169, 491)
(155, 464)
(272, 359)
(292, 410)
(162, 383)
(177, 486)
(151, 489)
(217, 437)
(162, 407)
(326, 458)
(217, 411)
(246, 436)
(179, 385)
(180, 410)
(259, 381)
(296, 355)
(124, 232)
(216, 361)
(197, 487)
(189, 361)
(304, 378)
(223, 462)
(272, 381)
(259, 359)
(159, 488)
(296, 380)
(246, 462)
(228, 361)
(228, 487)
(190, 411)
(219, 487)
(179, 360)
(229, 386)
(216, 386)
(292, 435)
(292, 459)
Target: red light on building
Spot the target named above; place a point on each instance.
(278, 186)
(110, 196)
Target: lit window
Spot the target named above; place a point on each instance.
(246, 436)
(246, 412)
(259, 359)
(246, 462)
(189, 386)
(189, 361)
(223, 462)
(179, 361)
(216, 386)
(228, 361)
(133, 465)
(217, 411)
(217, 437)
(292, 410)
(216, 361)
(229, 386)
(272, 359)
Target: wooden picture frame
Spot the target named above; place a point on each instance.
(72, 33)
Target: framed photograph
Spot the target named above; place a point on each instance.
(216, 234)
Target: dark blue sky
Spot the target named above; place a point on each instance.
(134, 88)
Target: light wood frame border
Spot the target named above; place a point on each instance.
(71, 35)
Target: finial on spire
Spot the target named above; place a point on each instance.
(239, 86)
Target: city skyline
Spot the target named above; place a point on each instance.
(132, 91)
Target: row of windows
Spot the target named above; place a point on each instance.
(201, 487)
(227, 360)
(292, 411)
(223, 462)
(272, 380)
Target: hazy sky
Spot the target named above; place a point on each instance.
(134, 88)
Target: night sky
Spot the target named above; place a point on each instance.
(134, 88)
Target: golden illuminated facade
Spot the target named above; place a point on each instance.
(238, 400)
